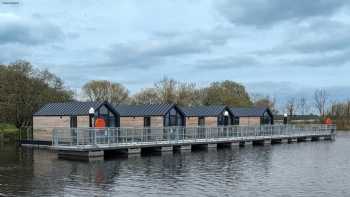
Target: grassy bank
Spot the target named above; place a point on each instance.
(8, 132)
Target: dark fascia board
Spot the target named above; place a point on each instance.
(109, 106)
(226, 108)
(269, 112)
(177, 108)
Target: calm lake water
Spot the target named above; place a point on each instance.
(304, 169)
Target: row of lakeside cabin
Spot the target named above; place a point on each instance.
(76, 114)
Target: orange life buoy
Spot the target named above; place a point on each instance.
(328, 121)
(100, 123)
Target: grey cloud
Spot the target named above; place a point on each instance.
(319, 43)
(164, 46)
(263, 13)
(148, 54)
(322, 36)
(27, 31)
(324, 45)
(227, 63)
(334, 59)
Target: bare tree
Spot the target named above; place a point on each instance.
(291, 106)
(114, 93)
(146, 96)
(187, 94)
(267, 102)
(302, 105)
(166, 90)
(320, 101)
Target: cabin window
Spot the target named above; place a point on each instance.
(73, 122)
(235, 120)
(147, 122)
(110, 118)
(220, 120)
(173, 121)
(103, 110)
(201, 121)
(266, 119)
(173, 118)
(225, 118)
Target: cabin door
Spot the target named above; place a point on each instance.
(147, 128)
(201, 127)
(226, 120)
(73, 125)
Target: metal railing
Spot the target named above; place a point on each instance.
(175, 135)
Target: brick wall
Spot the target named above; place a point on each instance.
(249, 121)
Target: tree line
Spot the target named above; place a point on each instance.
(170, 91)
(24, 89)
(340, 113)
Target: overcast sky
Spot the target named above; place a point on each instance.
(272, 46)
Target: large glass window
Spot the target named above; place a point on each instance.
(201, 121)
(235, 120)
(73, 122)
(225, 119)
(109, 117)
(173, 118)
(266, 119)
(147, 121)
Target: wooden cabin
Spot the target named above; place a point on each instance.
(252, 115)
(210, 116)
(71, 115)
(150, 115)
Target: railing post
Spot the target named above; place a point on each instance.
(108, 134)
(95, 136)
(53, 137)
(206, 133)
(71, 136)
(183, 133)
(77, 137)
(118, 135)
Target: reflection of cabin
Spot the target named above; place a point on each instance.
(70, 114)
(210, 116)
(252, 115)
(150, 115)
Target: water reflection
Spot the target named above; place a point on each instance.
(279, 170)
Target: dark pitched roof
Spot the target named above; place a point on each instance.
(213, 110)
(68, 108)
(144, 110)
(249, 111)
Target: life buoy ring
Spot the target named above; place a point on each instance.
(100, 123)
(328, 121)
